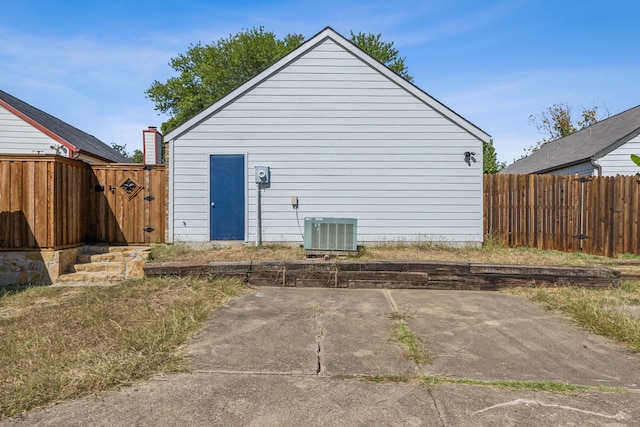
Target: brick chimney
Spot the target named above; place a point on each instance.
(152, 146)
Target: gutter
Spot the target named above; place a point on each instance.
(596, 166)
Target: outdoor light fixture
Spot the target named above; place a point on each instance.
(469, 156)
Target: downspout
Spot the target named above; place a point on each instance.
(596, 166)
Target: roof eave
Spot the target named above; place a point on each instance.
(41, 128)
(617, 144)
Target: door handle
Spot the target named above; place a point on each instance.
(213, 205)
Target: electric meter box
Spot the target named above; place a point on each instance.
(262, 174)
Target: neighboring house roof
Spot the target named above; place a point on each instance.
(589, 143)
(70, 136)
(329, 33)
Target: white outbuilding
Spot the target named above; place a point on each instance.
(326, 132)
(25, 129)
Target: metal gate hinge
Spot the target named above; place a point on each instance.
(149, 229)
(149, 198)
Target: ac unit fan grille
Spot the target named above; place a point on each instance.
(330, 234)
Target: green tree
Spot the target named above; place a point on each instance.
(136, 157)
(490, 163)
(208, 72)
(557, 122)
(382, 51)
(122, 149)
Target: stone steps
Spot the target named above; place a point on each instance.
(91, 277)
(98, 266)
(106, 257)
(105, 265)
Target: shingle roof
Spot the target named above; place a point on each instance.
(594, 141)
(87, 144)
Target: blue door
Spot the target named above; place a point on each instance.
(226, 197)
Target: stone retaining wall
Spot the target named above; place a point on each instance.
(35, 267)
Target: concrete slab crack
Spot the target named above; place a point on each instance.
(319, 339)
(435, 405)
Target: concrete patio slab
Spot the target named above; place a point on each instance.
(491, 336)
(283, 356)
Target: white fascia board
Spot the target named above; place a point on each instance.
(170, 195)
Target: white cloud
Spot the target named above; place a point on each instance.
(93, 85)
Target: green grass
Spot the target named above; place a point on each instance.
(63, 343)
(548, 386)
(629, 286)
(607, 312)
(630, 257)
(415, 348)
(431, 381)
(169, 251)
(16, 290)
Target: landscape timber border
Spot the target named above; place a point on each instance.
(392, 274)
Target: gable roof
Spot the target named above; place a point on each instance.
(329, 33)
(71, 137)
(594, 142)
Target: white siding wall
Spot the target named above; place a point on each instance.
(618, 162)
(348, 143)
(19, 137)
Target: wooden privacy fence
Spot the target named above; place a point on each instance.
(41, 205)
(595, 215)
(50, 202)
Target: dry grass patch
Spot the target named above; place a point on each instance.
(85, 340)
(211, 253)
(490, 254)
(610, 312)
(413, 251)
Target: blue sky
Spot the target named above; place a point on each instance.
(493, 62)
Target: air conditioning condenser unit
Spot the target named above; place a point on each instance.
(330, 235)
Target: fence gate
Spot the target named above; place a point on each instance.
(128, 203)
